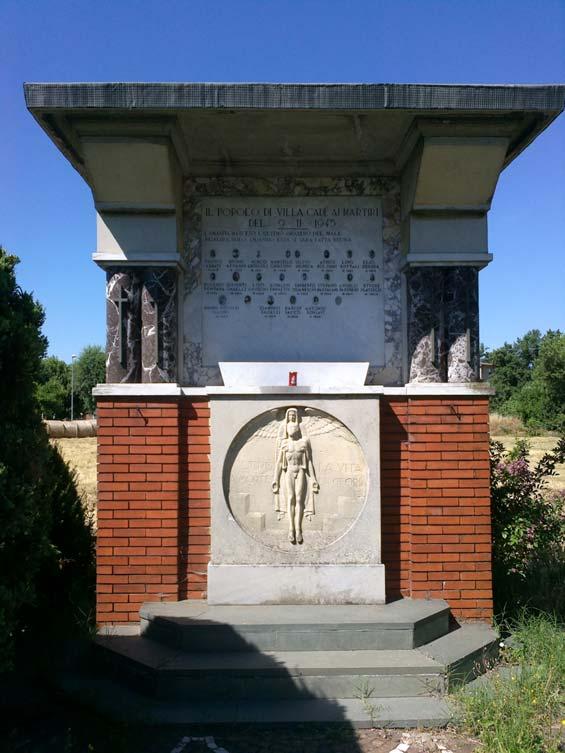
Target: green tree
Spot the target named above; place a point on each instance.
(90, 370)
(53, 390)
(549, 374)
(529, 378)
(46, 546)
(513, 365)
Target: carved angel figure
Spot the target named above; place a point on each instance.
(294, 464)
(295, 482)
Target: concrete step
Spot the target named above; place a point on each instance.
(166, 673)
(194, 626)
(465, 653)
(127, 705)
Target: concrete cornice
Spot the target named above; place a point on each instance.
(170, 96)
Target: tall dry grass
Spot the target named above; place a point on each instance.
(80, 454)
(501, 426)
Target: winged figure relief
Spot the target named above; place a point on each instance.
(295, 483)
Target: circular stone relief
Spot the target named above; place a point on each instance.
(295, 477)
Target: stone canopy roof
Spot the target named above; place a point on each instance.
(309, 129)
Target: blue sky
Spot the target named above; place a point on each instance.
(46, 212)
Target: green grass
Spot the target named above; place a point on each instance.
(521, 710)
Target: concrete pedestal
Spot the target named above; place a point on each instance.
(296, 584)
(331, 464)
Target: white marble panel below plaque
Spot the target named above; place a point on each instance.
(309, 374)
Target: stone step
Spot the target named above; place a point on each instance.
(127, 705)
(166, 673)
(466, 652)
(197, 627)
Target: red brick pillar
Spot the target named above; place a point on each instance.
(395, 496)
(138, 506)
(195, 508)
(450, 523)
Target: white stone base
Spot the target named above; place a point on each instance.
(296, 584)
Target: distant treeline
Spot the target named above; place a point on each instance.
(53, 387)
(529, 378)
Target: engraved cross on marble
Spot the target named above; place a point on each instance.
(123, 302)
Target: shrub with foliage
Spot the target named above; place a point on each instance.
(65, 585)
(528, 528)
(46, 545)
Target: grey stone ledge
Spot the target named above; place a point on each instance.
(436, 389)
(140, 259)
(137, 390)
(453, 259)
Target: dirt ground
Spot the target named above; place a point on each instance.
(48, 723)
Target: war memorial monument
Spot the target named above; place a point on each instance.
(293, 438)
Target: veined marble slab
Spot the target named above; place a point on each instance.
(276, 373)
(296, 584)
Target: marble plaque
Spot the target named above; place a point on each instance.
(295, 477)
(292, 279)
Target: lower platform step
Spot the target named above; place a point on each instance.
(129, 706)
(164, 673)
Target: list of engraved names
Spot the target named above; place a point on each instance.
(292, 279)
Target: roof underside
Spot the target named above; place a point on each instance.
(303, 128)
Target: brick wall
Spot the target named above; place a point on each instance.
(195, 499)
(152, 458)
(436, 502)
(154, 503)
(395, 497)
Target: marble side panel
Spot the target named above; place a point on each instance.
(425, 326)
(123, 325)
(195, 371)
(159, 325)
(462, 320)
(443, 324)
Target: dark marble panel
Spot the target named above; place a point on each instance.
(159, 325)
(123, 325)
(443, 324)
(425, 324)
(462, 319)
